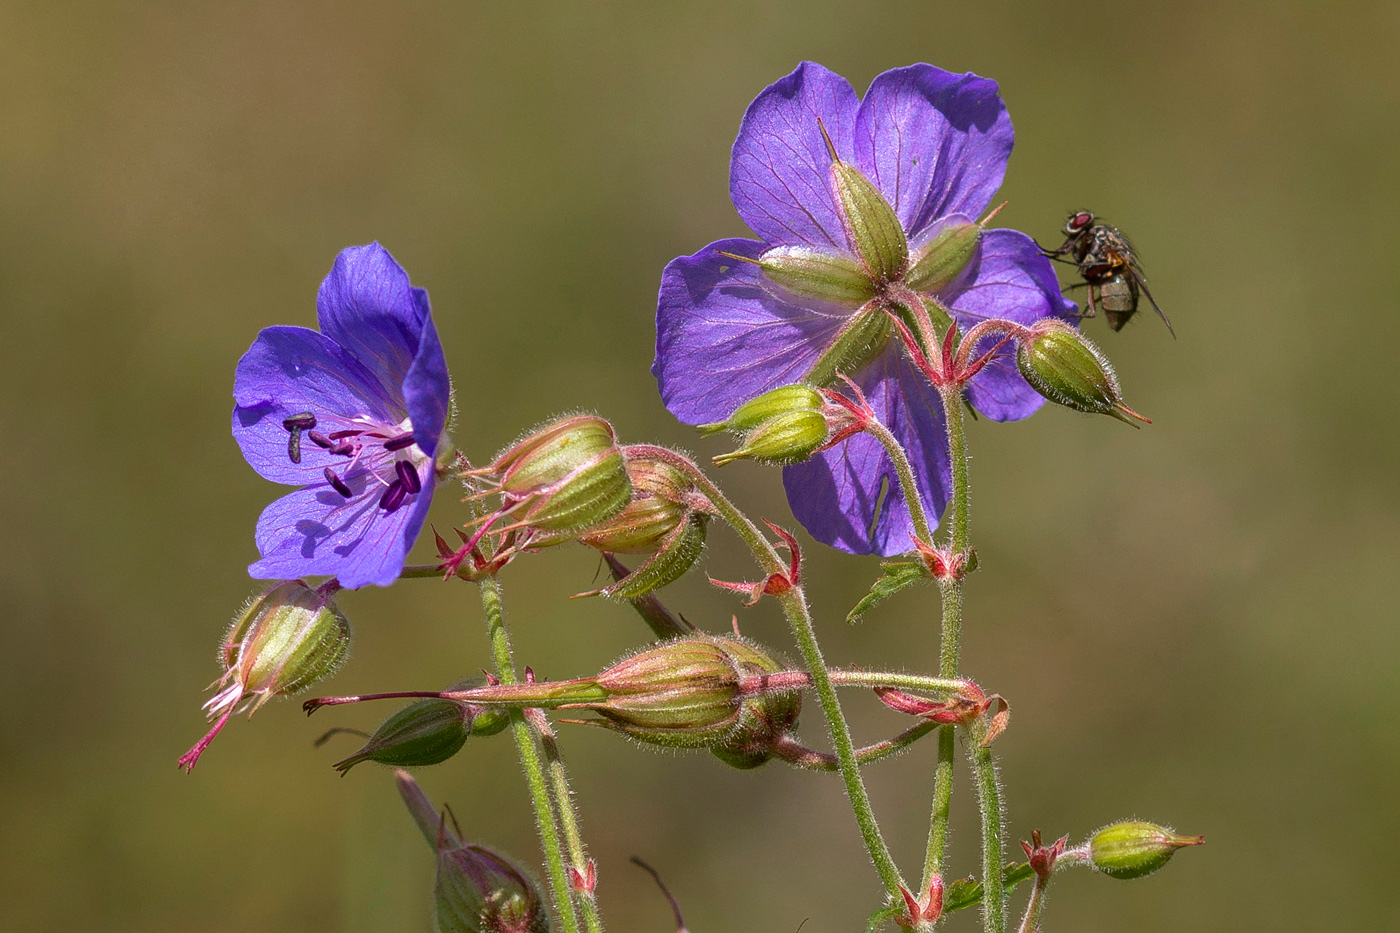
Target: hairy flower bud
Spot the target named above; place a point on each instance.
(1133, 849)
(426, 733)
(783, 425)
(819, 274)
(1062, 365)
(764, 718)
(284, 641)
(943, 258)
(563, 477)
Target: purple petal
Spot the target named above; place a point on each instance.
(834, 495)
(1011, 279)
(317, 532)
(289, 370)
(779, 170)
(934, 142)
(722, 336)
(427, 389)
(367, 305)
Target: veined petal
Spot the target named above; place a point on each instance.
(835, 494)
(1011, 279)
(427, 389)
(367, 305)
(290, 370)
(724, 335)
(779, 170)
(935, 143)
(315, 531)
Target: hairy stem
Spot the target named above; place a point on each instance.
(951, 591)
(559, 887)
(989, 798)
(794, 604)
(905, 473)
(568, 822)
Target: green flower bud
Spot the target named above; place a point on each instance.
(786, 439)
(1134, 849)
(761, 409)
(1062, 365)
(862, 338)
(814, 273)
(763, 718)
(678, 552)
(872, 227)
(426, 733)
(284, 641)
(943, 258)
(659, 505)
(564, 477)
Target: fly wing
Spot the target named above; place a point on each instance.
(1142, 284)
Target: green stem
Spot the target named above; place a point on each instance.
(421, 572)
(794, 605)
(568, 822)
(529, 758)
(898, 681)
(989, 798)
(905, 473)
(951, 592)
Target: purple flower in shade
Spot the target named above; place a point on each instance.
(353, 415)
(935, 145)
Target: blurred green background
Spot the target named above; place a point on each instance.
(1195, 623)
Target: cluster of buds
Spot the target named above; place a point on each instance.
(666, 519)
(1067, 368)
(426, 732)
(476, 889)
(282, 642)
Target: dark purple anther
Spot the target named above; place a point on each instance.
(337, 483)
(320, 440)
(337, 435)
(400, 442)
(300, 421)
(343, 449)
(294, 444)
(408, 476)
(393, 497)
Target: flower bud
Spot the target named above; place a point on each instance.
(284, 641)
(479, 891)
(815, 273)
(943, 258)
(1135, 848)
(659, 505)
(873, 229)
(426, 733)
(784, 425)
(677, 553)
(564, 477)
(1062, 365)
(764, 718)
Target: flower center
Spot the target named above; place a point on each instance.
(383, 454)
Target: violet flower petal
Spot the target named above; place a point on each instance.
(834, 495)
(315, 531)
(779, 170)
(427, 389)
(1014, 281)
(934, 142)
(289, 370)
(723, 335)
(367, 305)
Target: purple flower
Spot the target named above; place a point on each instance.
(353, 415)
(935, 145)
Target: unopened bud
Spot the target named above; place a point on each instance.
(764, 718)
(819, 274)
(426, 733)
(943, 258)
(660, 503)
(762, 409)
(287, 639)
(1135, 848)
(1065, 367)
(565, 476)
(783, 425)
(677, 553)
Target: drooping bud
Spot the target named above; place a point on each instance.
(872, 227)
(284, 641)
(943, 258)
(819, 274)
(1065, 367)
(563, 477)
(783, 425)
(764, 717)
(1135, 848)
(476, 890)
(426, 733)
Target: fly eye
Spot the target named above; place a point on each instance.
(1081, 220)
